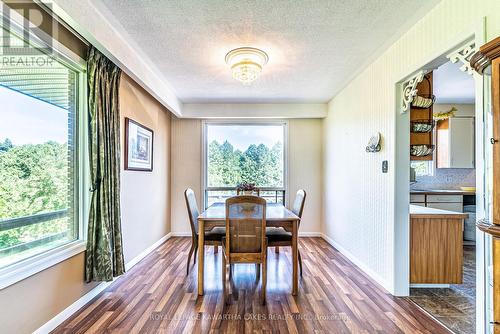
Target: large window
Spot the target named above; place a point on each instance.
(39, 149)
(244, 152)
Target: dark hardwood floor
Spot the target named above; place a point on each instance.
(334, 297)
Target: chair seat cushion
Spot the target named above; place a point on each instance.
(215, 234)
(278, 234)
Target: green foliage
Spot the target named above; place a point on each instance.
(6, 145)
(33, 179)
(259, 164)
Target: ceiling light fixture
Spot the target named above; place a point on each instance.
(246, 63)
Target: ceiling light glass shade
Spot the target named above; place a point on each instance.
(246, 63)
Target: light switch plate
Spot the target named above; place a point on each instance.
(385, 166)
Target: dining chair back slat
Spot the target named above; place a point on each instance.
(298, 203)
(245, 224)
(245, 240)
(192, 207)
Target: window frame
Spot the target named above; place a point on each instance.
(32, 265)
(241, 122)
(430, 167)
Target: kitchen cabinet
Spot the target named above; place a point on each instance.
(436, 246)
(444, 200)
(456, 207)
(455, 143)
(440, 198)
(417, 198)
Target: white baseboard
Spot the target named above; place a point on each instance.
(310, 234)
(376, 277)
(70, 310)
(301, 234)
(181, 234)
(82, 301)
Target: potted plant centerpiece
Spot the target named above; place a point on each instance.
(246, 188)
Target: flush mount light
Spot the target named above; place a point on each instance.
(246, 63)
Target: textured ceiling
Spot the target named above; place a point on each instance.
(314, 47)
(451, 85)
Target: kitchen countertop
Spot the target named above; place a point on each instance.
(441, 192)
(417, 211)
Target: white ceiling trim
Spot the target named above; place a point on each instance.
(255, 110)
(97, 26)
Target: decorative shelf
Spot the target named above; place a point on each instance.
(422, 125)
(423, 150)
(423, 101)
(422, 122)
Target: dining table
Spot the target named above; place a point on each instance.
(277, 215)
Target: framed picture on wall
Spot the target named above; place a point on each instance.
(138, 146)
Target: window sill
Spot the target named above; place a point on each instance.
(33, 265)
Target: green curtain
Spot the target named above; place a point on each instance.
(104, 256)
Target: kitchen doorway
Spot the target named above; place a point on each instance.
(443, 190)
(472, 287)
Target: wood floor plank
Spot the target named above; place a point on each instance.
(334, 297)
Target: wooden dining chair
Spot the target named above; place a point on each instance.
(245, 240)
(277, 236)
(212, 237)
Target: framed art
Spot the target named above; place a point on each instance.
(138, 146)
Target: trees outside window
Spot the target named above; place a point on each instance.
(237, 153)
(39, 169)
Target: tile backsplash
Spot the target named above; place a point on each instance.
(446, 178)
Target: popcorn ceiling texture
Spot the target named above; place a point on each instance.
(314, 47)
(446, 179)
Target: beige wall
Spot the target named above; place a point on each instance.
(305, 163)
(359, 209)
(304, 169)
(186, 169)
(145, 196)
(145, 202)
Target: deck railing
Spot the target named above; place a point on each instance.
(220, 194)
(12, 223)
